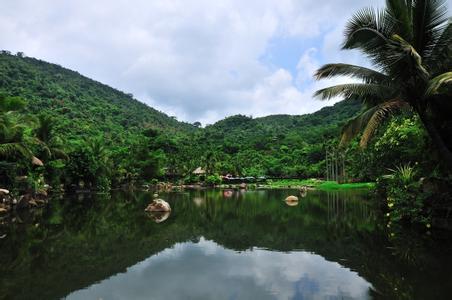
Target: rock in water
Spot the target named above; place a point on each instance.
(159, 216)
(292, 203)
(291, 199)
(158, 205)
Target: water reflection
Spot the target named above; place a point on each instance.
(205, 270)
(331, 245)
(159, 216)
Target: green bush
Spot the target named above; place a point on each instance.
(405, 200)
(213, 179)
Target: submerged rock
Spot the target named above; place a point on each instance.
(159, 216)
(158, 205)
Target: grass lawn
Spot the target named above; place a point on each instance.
(316, 183)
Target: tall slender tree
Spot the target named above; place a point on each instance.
(409, 44)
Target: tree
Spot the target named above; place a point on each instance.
(409, 46)
(12, 128)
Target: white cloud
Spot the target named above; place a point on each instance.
(206, 270)
(198, 59)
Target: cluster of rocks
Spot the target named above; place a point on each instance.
(9, 202)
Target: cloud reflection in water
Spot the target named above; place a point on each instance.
(206, 270)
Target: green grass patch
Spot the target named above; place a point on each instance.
(332, 185)
(317, 183)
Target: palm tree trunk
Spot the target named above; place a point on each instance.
(443, 151)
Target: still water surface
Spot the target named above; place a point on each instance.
(219, 245)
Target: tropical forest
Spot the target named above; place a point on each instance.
(104, 196)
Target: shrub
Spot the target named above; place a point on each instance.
(404, 197)
(213, 179)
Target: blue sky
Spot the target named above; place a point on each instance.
(198, 60)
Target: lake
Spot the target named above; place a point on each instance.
(219, 244)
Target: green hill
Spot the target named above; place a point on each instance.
(276, 145)
(84, 106)
(107, 133)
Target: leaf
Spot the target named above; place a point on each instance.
(436, 83)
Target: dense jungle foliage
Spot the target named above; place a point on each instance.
(88, 134)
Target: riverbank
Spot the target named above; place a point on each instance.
(303, 183)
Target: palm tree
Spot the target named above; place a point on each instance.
(12, 138)
(50, 144)
(409, 44)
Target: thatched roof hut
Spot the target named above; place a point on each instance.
(199, 171)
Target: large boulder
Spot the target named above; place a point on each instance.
(159, 216)
(291, 199)
(158, 205)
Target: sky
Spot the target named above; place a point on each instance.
(206, 270)
(198, 60)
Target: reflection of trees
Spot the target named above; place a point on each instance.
(91, 239)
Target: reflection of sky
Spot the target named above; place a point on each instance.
(206, 270)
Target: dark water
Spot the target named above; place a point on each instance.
(219, 245)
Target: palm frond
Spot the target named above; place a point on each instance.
(429, 17)
(405, 55)
(366, 27)
(369, 31)
(354, 126)
(435, 84)
(381, 113)
(440, 58)
(366, 74)
(401, 11)
(369, 121)
(354, 90)
(9, 150)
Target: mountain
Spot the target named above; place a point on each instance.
(276, 145)
(83, 105)
(144, 143)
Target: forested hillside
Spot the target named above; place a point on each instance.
(87, 133)
(277, 145)
(96, 108)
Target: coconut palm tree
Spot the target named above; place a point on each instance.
(50, 144)
(409, 44)
(12, 138)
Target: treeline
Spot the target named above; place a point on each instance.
(82, 134)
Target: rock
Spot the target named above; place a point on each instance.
(242, 186)
(3, 210)
(158, 205)
(159, 216)
(292, 199)
(155, 195)
(33, 203)
(4, 192)
(292, 203)
(36, 161)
